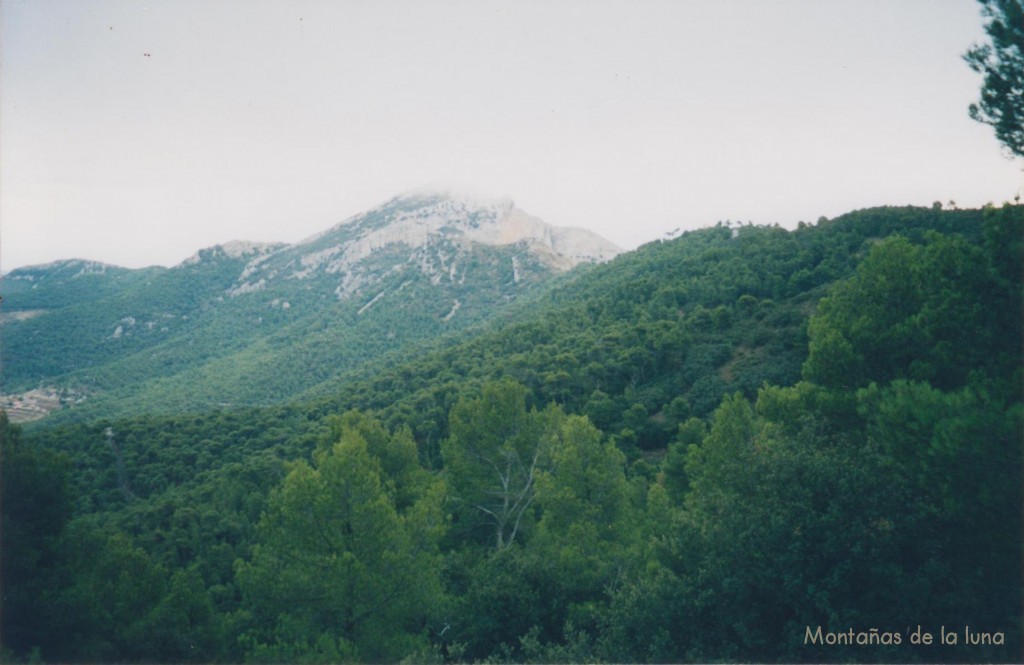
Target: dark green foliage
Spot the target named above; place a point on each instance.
(74, 592)
(36, 504)
(629, 468)
(922, 312)
(780, 533)
(1002, 64)
(958, 452)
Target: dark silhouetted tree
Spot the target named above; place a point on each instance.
(1002, 63)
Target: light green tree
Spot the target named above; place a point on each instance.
(340, 573)
(584, 498)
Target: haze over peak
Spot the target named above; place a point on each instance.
(414, 215)
(457, 191)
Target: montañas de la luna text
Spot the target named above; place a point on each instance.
(875, 636)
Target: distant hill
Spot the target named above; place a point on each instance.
(247, 323)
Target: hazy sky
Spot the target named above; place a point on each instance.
(136, 132)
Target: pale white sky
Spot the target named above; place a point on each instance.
(136, 132)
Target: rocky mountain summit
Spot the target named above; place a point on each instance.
(256, 323)
(433, 231)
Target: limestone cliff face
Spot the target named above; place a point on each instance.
(566, 247)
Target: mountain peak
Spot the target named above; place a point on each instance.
(432, 230)
(419, 215)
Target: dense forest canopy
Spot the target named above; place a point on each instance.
(742, 444)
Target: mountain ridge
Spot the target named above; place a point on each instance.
(278, 318)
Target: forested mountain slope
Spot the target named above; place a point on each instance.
(247, 323)
(643, 342)
(740, 444)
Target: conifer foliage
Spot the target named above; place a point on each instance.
(765, 447)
